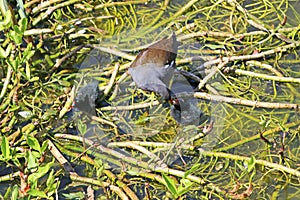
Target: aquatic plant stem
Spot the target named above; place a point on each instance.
(63, 59)
(131, 107)
(252, 56)
(273, 70)
(244, 158)
(266, 77)
(49, 11)
(112, 79)
(142, 164)
(6, 82)
(75, 177)
(257, 136)
(254, 104)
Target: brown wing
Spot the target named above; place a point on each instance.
(162, 52)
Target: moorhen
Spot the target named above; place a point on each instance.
(154, 66)
(153, 69)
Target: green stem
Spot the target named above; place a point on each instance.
(244, 158)
(257, 136)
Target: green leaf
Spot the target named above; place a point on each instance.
(7, 22)
(7, 193)
(14, 36)
(81, 127)
(50, 179)
(42, 170)
(31, 161)
(75, 195)
(99, 171)
(64, 83)
(15, 193)
(34, 143)
(53, 187)
(27, 70)
(37, 193)
(191, 170)
(283, 128)
(14, 108)
(184, 186)
(44, 146)
(5, 53)
(186, 182)
(18, 30)
(33, 79)
(8, 49)
(52, 183)
(27, 53)
(251, 164)
(2, 53)
(5, 148)
(16, 161)
(252, 175)
(14, 64)
(98, 162)
(170, 184)
(23, 23)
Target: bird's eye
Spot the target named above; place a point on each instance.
(169, 64)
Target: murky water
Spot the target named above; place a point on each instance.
(137, 134)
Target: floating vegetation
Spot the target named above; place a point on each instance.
(74, 127)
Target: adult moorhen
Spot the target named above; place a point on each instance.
(154, 67)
